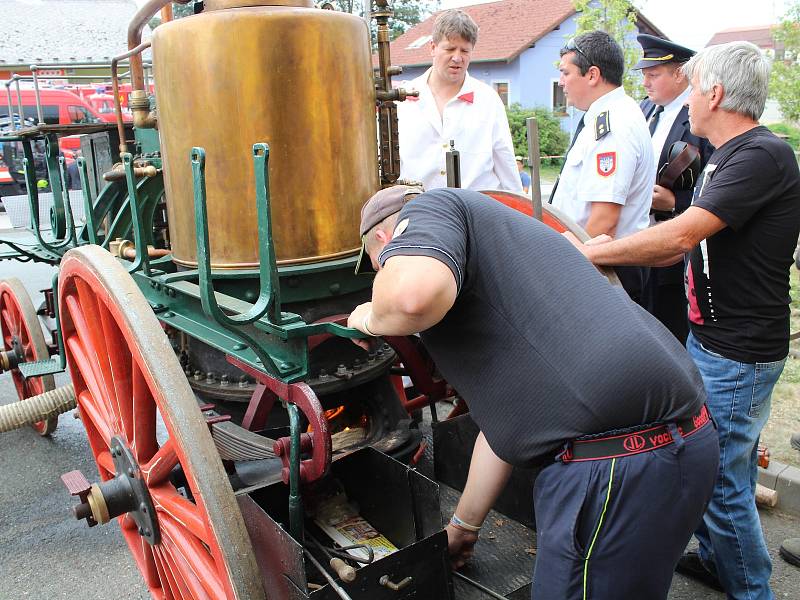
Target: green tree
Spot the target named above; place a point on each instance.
(618, 19)
(552, 139)
(178, 12)
(407, 13)
(785, 83)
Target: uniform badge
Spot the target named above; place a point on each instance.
(606, 163)
(602, 125)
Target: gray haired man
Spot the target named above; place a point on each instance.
(739, 235)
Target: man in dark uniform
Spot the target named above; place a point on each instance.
(548, 356)
(668, 120)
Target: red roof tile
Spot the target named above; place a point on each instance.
(506, 29)
(760, 35)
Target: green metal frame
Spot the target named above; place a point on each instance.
(258, 333)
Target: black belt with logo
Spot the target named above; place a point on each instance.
(637, 441)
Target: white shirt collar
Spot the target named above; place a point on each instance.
(468, 87)
(678, 102)
(603, 103)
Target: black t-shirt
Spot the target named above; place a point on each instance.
(738, 279)
(538, 343)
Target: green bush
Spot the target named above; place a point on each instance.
(552, 139)
(791, 132)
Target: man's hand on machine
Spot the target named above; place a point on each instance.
(461, 545)
(359, 319)
(583, 246)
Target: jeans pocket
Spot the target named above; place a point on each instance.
(711, 352)
(765, 377)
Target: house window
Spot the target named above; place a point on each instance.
(559, 100)
(501, 87)
(419, 42)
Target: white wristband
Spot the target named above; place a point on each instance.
(365, 327)
(456, 522)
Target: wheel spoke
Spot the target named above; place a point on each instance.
(183, 569)
(171, 505)
(196, 555)
(148, 564)
(158, 468)
(119, 367)
(100, 409)
(162, 575)
(144, 411)
(105, 461)
(11, 324)
(100, 424)
(91, 371)
(142, 553)
(169, 573)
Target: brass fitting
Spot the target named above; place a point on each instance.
(117, 173)
(127, 249)
(143, 117)
(98, 506)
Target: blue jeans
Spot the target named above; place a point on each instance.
(730, 537)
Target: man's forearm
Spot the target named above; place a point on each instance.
(487, 477)
(389, 320)
(660, 245)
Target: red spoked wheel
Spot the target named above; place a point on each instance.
(23, 334)
(129, 386)
(552, 217)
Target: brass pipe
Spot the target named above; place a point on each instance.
(166, 13)
(389, 145)
(135, 28)
(152, 252)
(127, 249)
(123, 145)
(118, 174)
(138, 98)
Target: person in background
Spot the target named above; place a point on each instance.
(454, 106)
(606, 184)
(523, 174)
(668, 120)
(740, 234)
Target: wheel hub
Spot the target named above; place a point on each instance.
(126, 493)
(10, 359)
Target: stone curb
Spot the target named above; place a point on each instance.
(784, 479)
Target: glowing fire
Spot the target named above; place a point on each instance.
(334, 412)
(349, 430)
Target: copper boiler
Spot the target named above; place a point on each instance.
(293, 76)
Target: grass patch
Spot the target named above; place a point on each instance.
(548, 171)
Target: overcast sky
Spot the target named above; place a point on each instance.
(690, 22)
(693, 22)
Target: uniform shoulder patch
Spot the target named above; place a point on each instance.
(606, 163)
(602, 125)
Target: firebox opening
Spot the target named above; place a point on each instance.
(349, 424)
